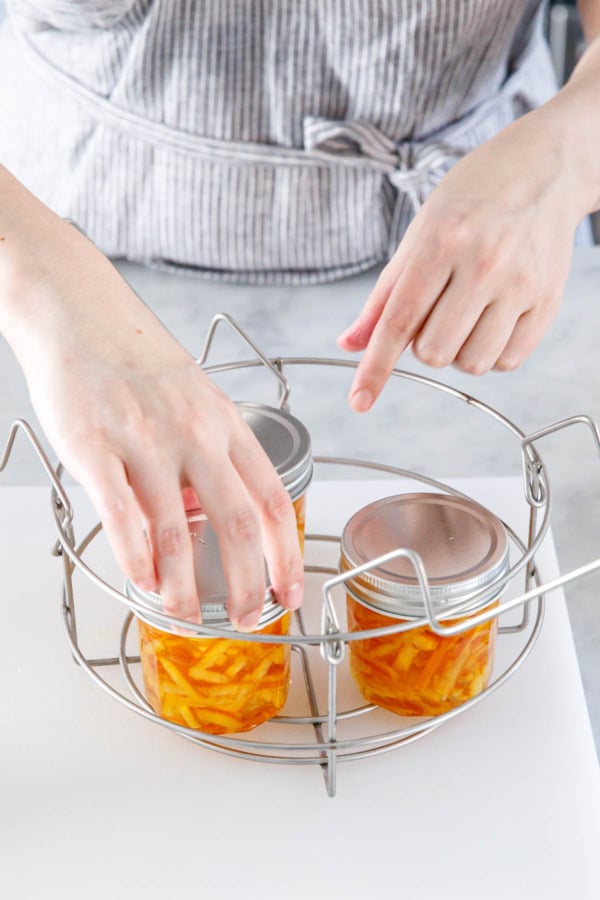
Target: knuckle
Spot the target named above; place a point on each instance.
(89, 436)
(231, 416)
(446, 240)
(508, 362)
(432, 355)
(291, 571)
(145, 430)
(180, 606)
(253, 599)
(240, 436)
(170, 606)
(241, 524)
(246, 601)
(138, 567)
(200, 439)
(172, 541)
(548, 305)
(384, 283)
(523, 280)
(473, 365)
(399, 319)
(278, 506)
(456, 232)
(114, 510)
(485, 264)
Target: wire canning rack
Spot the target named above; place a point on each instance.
(322, 724)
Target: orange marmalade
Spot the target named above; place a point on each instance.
(300, 510)
(217, 685)
(214, 683)
(462, 550)
(417, 672)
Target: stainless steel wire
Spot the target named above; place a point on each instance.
(329, 744)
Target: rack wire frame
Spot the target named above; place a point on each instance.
(326, 749)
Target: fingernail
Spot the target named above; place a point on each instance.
(190, 499)
(248, 621)
(353, 334)
(292, 599)
(362, 400)
(184, 632)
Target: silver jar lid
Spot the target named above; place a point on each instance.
(210, 582)
(464, 548)
(286, 442)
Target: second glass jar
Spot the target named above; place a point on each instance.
(464, 549)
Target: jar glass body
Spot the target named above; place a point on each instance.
(216, 685)
(417, 672)
(300, 509)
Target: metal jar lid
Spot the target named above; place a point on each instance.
(464, 547)
(210, 582)
(286, 442)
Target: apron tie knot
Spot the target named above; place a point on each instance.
(413, 168)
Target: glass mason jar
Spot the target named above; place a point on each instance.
(286, 442)
(464, 549)
(214, 684)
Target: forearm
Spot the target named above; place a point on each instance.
(573, 117)
(53, 278)
(30, 234)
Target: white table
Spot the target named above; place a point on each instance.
(502, 802)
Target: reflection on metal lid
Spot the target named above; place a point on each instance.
(286, 442)
(463, 546)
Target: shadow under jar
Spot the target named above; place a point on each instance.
(465, 550)
(217, 685)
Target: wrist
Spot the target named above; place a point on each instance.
(54, 283)
(572, 118)
(32, 305)
(30, 238)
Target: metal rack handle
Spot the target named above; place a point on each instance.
(284, 386)
(329, 619)
(330, 623)
(61, 498)
(535, 490)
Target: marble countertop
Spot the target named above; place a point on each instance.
(413, 426)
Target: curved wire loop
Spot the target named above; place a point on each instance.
(275, 368)
(61, 498)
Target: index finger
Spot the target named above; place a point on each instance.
(410, 302)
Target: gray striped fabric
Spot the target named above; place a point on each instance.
(263, 141)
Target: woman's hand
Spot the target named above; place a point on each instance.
(479, 275)
(136, 421)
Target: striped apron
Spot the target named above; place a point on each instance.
(286, 141)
